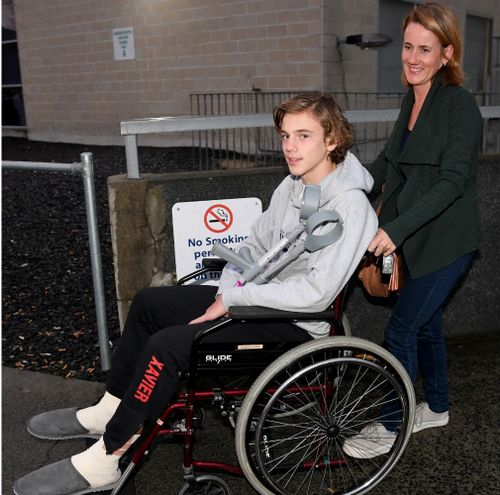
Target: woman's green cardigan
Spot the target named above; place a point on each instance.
(429, 202)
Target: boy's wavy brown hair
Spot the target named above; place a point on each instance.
(326, 109)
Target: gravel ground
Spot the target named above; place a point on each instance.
(48, 313)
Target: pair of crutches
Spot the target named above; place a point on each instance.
(262, 270)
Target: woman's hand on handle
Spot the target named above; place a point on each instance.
(214, 311)
(381, 244)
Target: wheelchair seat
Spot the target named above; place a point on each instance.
(253, 357)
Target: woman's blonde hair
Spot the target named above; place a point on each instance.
(443, 22)
(326, 109)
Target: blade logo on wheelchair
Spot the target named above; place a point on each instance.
(219, 358)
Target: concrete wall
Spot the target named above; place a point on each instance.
(144, 252)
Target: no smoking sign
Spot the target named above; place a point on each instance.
(218, 218)
(198, 225)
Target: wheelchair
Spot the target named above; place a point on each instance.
(291, 406)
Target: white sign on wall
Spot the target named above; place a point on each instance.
(123, 43)
(198, 225)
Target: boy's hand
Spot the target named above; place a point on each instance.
(214, 311)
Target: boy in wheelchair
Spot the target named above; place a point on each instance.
(163, 321)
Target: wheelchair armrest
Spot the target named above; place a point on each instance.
(260, 313)
(215, 264)
(208, 265)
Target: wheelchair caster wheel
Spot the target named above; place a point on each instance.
(205, 484)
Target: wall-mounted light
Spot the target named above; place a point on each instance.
(371, 40)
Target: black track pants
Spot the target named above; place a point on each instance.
(156, 345)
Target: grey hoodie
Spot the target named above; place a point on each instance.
(313, 280)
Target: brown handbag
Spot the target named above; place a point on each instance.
(376, 283)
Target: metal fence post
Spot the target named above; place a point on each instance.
(95, 258)
(132, 156)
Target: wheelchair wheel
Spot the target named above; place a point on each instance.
(299, 412)
(206, 484)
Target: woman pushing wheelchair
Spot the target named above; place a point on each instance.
(163, 321)
(427, 172)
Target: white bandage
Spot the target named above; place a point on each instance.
(95, 418)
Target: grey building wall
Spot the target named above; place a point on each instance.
(75, 90)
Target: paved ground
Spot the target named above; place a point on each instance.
(463, 458)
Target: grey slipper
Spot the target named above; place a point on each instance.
(60, 424)
(59, 478)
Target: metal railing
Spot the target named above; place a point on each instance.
(86, 170)
(261, 146)
(237, 103)
(257, 101)
(214, 125)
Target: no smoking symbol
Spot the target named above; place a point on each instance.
(218, 218)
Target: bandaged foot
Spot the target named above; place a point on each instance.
(95, 418)
(97, 467)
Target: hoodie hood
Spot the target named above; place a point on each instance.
(349, 174)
